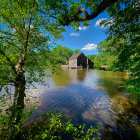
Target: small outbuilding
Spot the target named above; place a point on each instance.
(79, 60)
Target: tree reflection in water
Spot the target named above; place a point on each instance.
(93, 97)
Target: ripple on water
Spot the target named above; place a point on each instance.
(94, 97)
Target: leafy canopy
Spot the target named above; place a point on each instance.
(61, 54)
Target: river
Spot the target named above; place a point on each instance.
(94, 97)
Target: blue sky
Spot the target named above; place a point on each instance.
(86, 38)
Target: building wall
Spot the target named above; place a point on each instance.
(82, 60)
(90, 63)
(73, 62)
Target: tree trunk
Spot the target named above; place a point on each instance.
(18, 104)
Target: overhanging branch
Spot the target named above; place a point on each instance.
(103, 5)
(51, 16)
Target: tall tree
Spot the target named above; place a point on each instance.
(24, 43)
(77, 51)
(61, 54)
(26, 28)
(124, 31)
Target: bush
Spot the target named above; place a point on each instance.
(56, 126)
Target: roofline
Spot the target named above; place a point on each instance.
(77, 56)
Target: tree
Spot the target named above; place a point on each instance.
(91, 57)
(77, 51)
(67, 12)
(61, 54)
(108, 54)
(23, 46)
(125, 31)
(26, 28)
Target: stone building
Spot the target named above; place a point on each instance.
(79, 60)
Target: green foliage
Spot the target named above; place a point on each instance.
(91, 57)
(64, 10)
(21, 35)
(108, 54)
(121, 50)
(52, 126)
(8, 129)
(26, 28)
(77, 51)
(118, 55)
(127, 27)
(61, 55)
(25, 32)
(56, 126)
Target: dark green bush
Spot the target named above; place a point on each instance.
(56, 126)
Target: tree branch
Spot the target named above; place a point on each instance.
(11, 24)
(13, 44)
(7, 33)
(7, 84)
(7, 38)
(103, 5)
(52, 16)
(29, 28)
(20, 62)
(5, 56)
(8, 59)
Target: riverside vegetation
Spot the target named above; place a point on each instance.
(28, 27)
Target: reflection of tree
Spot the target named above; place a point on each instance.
(62, 78)
(65, 77)
(111, 82)
(126, 120)
(78, 74)
(115, 113)
(119, 118)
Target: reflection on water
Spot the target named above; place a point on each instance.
(92, 97)
(65, 77)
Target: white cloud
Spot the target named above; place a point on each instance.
(74, 34)
(82, 28)
(26, 26)
(89, 47)
(98, 22)
(49, 42)
(31, 26)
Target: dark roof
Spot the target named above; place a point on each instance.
(74, 56)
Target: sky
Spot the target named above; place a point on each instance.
(87, 38)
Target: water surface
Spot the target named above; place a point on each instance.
(93, 97)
